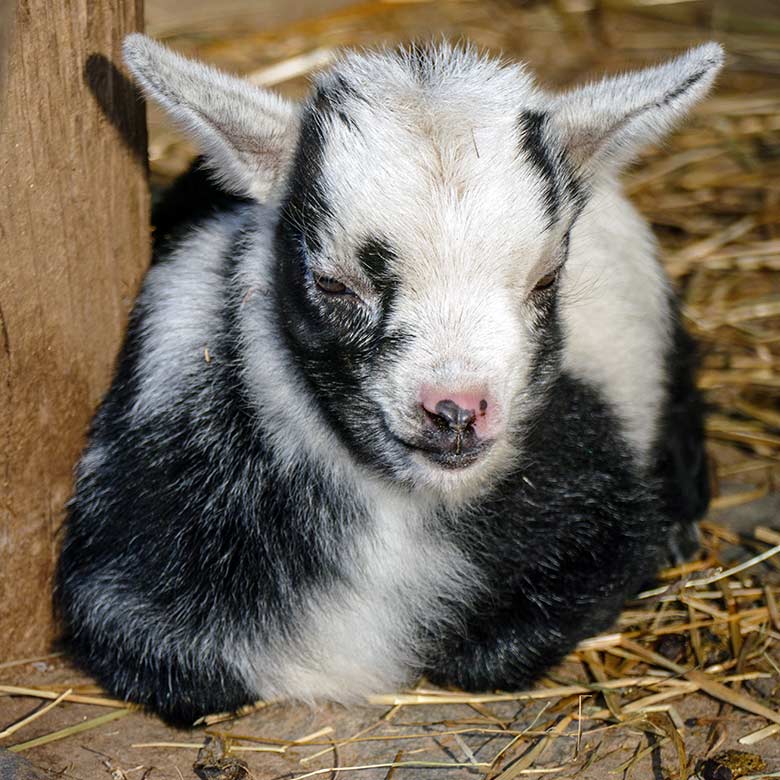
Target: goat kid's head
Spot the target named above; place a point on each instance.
(425, 198)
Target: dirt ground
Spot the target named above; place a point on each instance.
(115, 750)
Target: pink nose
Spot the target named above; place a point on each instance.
(458, 410)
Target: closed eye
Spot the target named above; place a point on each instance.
(331, 285)
(547, 281)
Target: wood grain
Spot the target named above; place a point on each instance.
(74, 242)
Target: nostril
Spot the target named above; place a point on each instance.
(462, 412)
(456, 417)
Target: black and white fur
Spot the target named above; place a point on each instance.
(252, 518)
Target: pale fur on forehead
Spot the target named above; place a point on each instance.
(421, 147)
(442, 75)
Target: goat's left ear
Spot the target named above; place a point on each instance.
(606, 124)
(247, 135)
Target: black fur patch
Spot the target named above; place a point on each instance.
(563, 541)
(306, 212)
(682, 465)
(562, 187)
(547, 340)
(185, 531)
(191, 200)
(376, 257)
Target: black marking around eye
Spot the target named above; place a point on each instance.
(376, 257)
(335, 347)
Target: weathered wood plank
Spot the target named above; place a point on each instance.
(73, 245)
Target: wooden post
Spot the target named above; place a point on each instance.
(74, 241)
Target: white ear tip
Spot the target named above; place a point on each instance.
(138, 49)
(133, 45)
(710, 54)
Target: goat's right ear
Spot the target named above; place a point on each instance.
(247, 134)
(607, 123)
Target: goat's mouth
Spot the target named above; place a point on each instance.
(456, 460)
(452, 457)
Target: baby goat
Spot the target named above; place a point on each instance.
(404, 391)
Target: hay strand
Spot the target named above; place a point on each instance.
(70, 731)
(34, 716)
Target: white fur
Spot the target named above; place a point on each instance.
(359, 636)
(618, 323)
(183, 301)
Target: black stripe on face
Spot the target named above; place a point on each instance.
(306, 209)
(331, 98)
(305, 217)
(531, 126)
(564, 188)
(334, 343)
